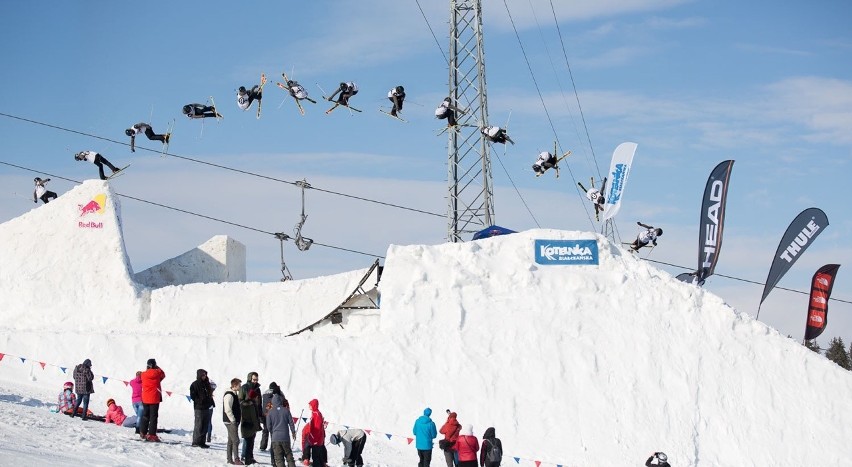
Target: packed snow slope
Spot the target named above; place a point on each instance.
(581, 365)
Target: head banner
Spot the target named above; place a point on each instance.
(821, 286)
(712, 221)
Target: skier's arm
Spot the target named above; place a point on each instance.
(582, 187)
(35, 200)
(603, 187)
(132, 143)
(648, 462)
(645, 225)
(331, 97)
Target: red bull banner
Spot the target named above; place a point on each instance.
(800, 234)
(821, 286)
(95, 207)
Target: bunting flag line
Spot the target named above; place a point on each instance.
(42, 365)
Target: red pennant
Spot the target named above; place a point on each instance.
(125, 383)
(1, 356)
(42, 365)
(169, 393)
(295, 419)
(410, 440)
(368, 431)
(537, 463)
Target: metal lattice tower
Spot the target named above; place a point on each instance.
(469, 196)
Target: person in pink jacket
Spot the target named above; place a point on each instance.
(115, 414)
(468, 447)
(136, 397)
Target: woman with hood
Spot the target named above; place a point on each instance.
(467, 446)
(136, 397)
(316, 435)
(492, 449)
(424, 433)
(450, 430)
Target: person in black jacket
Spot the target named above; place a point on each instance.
(662, 460)
(202, 399)
(83, 381)
(491, 453)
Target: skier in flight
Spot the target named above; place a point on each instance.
(142, 127)
(545, 161)
(246, 97)
(447, 111)
(298, 91)
(595, 196)
(42, 193)
(97, 159)
(396, 96)
(495, 134)
(346, 91)
(646, 236)
(200, 111)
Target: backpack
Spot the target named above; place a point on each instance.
(495, 454)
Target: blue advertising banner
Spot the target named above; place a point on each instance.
(568, 252)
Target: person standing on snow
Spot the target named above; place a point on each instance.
(200, 111)
(250, 424)
(353, 440)
(231, 415)
(346, 90)
(425, 433)
(495, 134)
(67, 398)
(491, 447)
(97, 159)
(42, 193)
(202, 400)
(316, 435)
(646, 236)
(279, 421)
(450, 430)
(136, 397)
(396, 96)
(83, 378)
(661, 457)
(152, 395)
(209, 414)
(143, 127)
(467, 446)
(265, 405)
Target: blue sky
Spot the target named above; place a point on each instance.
(692, 82)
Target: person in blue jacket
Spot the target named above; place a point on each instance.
(424, 434)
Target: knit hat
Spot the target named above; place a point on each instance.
(273, 386)
(87, 363)
(152, 363)
(110, 402)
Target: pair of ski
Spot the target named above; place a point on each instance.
(598, 208)
(260, 92)
(298, 103)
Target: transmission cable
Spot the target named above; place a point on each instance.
(447, 60)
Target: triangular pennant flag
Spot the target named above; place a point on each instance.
(63, 368)
(188, 399)
(346, 426)
(169, 393)
(1, 356)
(23, 359)
(537, 463)
(368, 431)
(295, 419)
(105, 379)
(388, 435)
(410, 440)
(305, 419)
(517, 460)
(125, 383)
(42, 365)
(558, 465)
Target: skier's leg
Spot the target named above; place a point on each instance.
(76, 405)
(100, 164)
(154, 137)
(451, 118)
(85, 399)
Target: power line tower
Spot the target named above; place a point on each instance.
(469, 196)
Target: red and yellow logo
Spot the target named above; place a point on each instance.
(96, 205)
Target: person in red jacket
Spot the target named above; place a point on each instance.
(316, 435)
(468, 447)
(152, 395)
(450, 430)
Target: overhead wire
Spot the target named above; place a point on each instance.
(185, 211)
(220, 166)
(432, 31)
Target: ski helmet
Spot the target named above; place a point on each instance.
(37, 179)
(400, 90)
(68, 385)
(343, 86)
(659, 233)
(290, 83)
(110, 402)
(129, 132)
(187, 109)
(447, 99)
(242, 89)
(662, 457)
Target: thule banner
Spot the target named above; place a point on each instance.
(712, 220)
(566, 252)
(799, 236)
(821, 286)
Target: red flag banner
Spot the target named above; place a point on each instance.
(821, 286)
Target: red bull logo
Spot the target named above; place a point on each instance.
(94, 206)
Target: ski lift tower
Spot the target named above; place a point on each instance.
(469, 196)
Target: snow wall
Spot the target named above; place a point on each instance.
(591, 365)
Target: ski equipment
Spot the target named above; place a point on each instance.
(118, 172)
(260, 91)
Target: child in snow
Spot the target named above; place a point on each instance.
(67, 398)
(115, 414)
